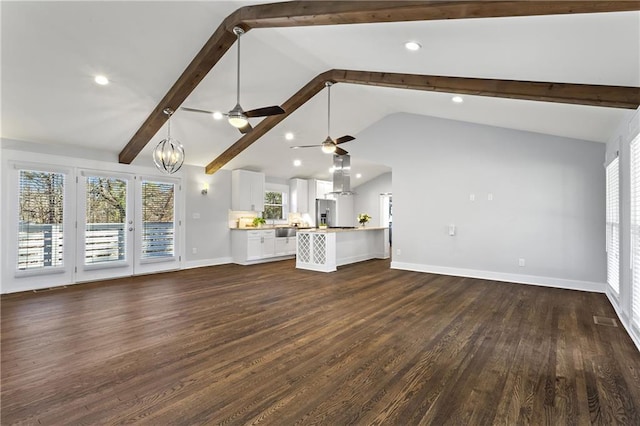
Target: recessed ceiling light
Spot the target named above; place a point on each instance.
(457, 99)
(288, 136)
(358, 175)
(412, 45)
(217, 115)
(101, 80)
(297, 163)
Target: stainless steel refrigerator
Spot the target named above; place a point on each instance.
(325, 212)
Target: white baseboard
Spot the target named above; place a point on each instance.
(624, 319)
(206, 262)
(505, 277)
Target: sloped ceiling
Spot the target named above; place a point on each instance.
(52, 50)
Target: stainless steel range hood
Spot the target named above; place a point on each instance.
(342, 175)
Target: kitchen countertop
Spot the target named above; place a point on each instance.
(267, 228)
(332, 230)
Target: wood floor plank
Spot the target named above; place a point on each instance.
(269, 344)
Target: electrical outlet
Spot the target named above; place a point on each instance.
(490, 197)
(398, 252)
(521, 262)
(194, 250)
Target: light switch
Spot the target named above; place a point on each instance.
(472, 197)
(490, 196)
(452, 230)
(196, 215)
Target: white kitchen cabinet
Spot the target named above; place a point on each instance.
(285, 246)
(323, 187)
(268, 243)
(299, 196)
(252, 246)
(247, 191)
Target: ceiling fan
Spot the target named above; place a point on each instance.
(329, 146)
(238, 117)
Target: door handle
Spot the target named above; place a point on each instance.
(131, 228)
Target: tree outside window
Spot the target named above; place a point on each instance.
(273, 205)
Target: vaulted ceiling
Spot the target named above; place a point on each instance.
(52, 50)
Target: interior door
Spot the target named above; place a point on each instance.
(105, 203)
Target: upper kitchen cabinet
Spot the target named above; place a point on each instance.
(247, 190)
(299, 195)
(318, 189)
(323, 187)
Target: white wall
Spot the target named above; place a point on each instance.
(207, 217)
(367, 198)
(619, 142)
(547, 208)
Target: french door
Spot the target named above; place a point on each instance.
(126, 225)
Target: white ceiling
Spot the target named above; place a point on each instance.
(52, 50)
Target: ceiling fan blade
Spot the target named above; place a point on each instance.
(196, 110)
(340, 151)
(304, 146)
(344, 139)
(246, 129)
(264, 112)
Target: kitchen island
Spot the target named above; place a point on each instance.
(324, 250)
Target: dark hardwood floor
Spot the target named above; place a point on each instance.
(269, 344)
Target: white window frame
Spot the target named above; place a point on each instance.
(613, 225)
(50, 276)
(635, 231)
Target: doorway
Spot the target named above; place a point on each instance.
(386, 212)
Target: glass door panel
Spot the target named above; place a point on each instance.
(156, 219)
(105, 226)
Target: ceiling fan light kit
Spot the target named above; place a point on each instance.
(236, 118)
(328, 147)
(168, 156)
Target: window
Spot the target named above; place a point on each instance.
(40, 220)
(635, 232)
(273, 207)
(106, 217)
(158, 220)
(613, 225)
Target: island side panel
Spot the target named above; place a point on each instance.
(360, 245)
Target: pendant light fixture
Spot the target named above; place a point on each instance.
(168, 155)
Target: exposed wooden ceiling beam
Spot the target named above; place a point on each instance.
(303, 13)
(567, 93)
(579, 94)
(307, 13)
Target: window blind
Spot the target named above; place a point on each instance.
(40, 220)
(158, 220)
(635, 232)
(613, 225)
(106, 215)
